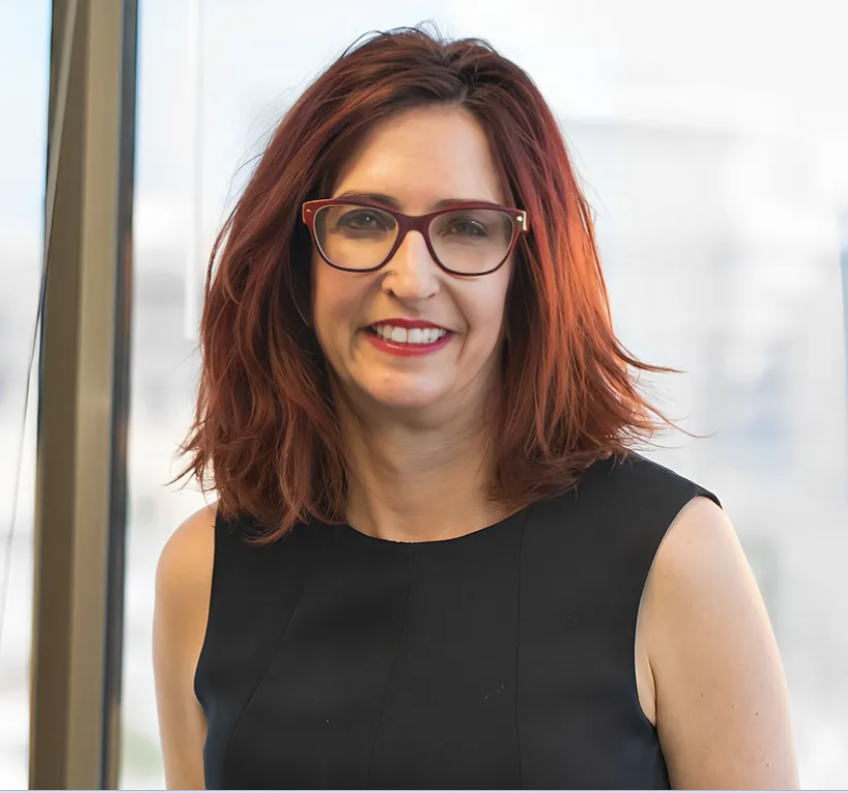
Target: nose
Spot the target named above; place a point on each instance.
(411, 274)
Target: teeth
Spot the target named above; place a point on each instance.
(411, 336)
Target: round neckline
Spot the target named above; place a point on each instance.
(387, 542)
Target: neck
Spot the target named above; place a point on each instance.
(413, 482)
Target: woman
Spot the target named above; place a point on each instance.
(436, 560)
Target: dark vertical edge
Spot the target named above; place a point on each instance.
(118, 490)
(55, 427)
(57, 26)
(58, 13)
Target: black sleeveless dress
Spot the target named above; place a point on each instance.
(500, 659)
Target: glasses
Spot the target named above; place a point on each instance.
(470, 239)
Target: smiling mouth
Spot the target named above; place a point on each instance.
(416, 336)
(408, 342)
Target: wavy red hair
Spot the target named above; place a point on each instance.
(266, 435)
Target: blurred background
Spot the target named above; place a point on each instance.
(712, 141)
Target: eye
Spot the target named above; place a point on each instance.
(466, 227)
(365, 220)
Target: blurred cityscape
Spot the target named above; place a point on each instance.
(718, 182)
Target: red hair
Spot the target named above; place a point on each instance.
(266, 433)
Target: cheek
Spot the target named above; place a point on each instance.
(325, 299)
(337, 301)
(487, 309)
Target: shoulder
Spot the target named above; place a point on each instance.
(649, 478)
(722, 704)
(700, 544)
(186, 562)
(183, 593)
(183, 589)
(624, 505)
(631, 480)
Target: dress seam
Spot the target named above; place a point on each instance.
(391, 671)
(518, 644)
(271, 656)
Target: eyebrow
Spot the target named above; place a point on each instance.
(381, 198)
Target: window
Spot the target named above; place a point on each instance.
(716, 214)
(24, 52)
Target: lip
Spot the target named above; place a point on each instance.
(397, 322)
(407, 350)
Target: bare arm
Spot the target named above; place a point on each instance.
(722, 705)
(183, 586)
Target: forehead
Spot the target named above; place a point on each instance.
(422, 156)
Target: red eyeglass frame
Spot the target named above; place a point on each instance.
(419, 223)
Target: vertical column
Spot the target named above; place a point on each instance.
(83, 397)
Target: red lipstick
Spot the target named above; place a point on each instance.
(397, 322)
(406, 349)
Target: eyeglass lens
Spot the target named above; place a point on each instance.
(466, 241)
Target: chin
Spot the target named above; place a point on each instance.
(406, 397)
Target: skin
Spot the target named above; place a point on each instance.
(425, 416)
(706, 662)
